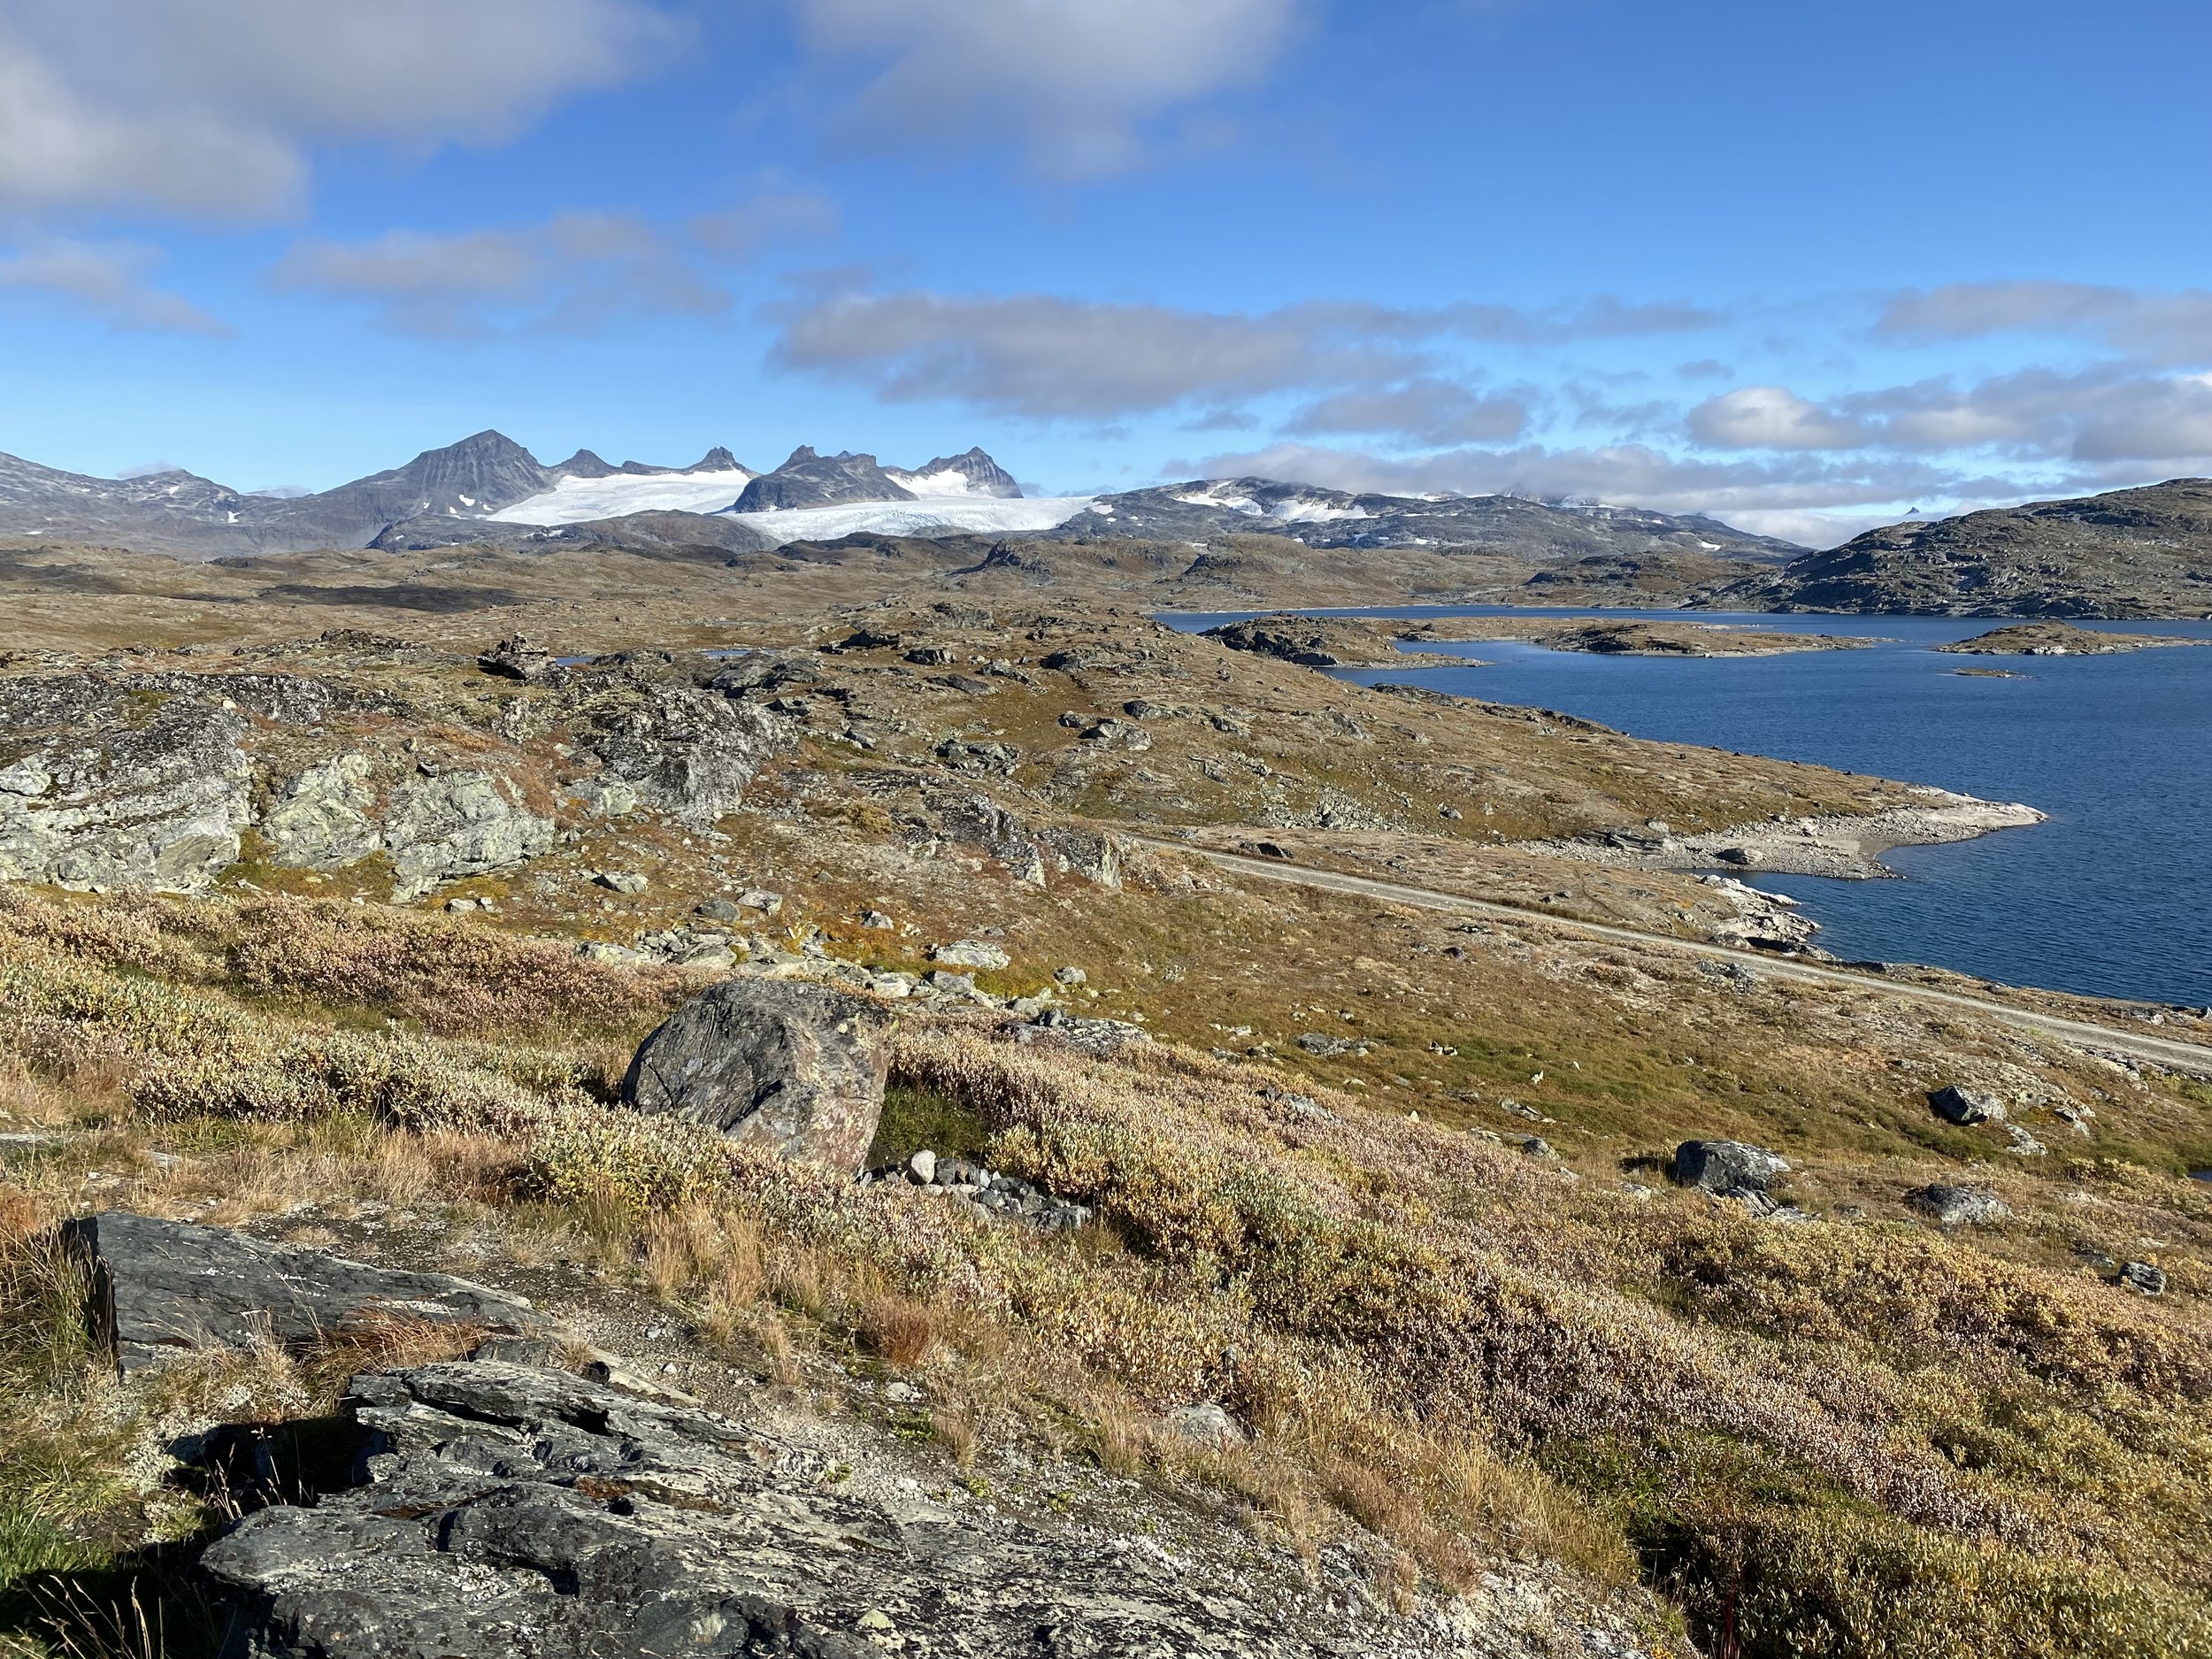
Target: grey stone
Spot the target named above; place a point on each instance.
(459, 824)
(130, 781)
(604, 797)
(684, 751)
(762, 900)
(923, 1165)
(789, 1065)
(970, 953)
(1209, 1425)
(1961, 1206)
(1323, 1046)
(512, 1510)
(165, 1287)
(518, 657)
(876, 921)
(321, 819)
(1726, 1168)
(1955, 1105)
(2143, 1277)
(623, 881)
(1070, 976)
(719, 909)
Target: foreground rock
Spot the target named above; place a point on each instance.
(788, 1064)
(1964, 1107)
(510, 1510)
(167, 1287)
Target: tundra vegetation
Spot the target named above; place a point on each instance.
(1428, 1261)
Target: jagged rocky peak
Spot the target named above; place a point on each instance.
(717, 460)
(584, 463)
(971, 473)
(811, 479)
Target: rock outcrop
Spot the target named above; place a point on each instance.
(322, 818)
(782, 1063)
(510, 1510)
(165, 1287)
(112, 783)
(458, 824)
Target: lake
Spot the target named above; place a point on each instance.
(2109, 897)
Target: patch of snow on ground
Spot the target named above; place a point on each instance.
(1236, 504)
(1301, 510)
(987, 515)
(580, 500)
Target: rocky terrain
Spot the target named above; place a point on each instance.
(2130, 553)
(866, 1058)
(2059, 639)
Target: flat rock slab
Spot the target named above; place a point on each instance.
(510, 1510)
(164, 1288)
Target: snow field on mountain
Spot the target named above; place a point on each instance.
(580, 500)
(986, 514)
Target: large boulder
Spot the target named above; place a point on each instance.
(783, 1062)
(1960, 1206)
(165, 1287)
(1956, 1105)
(1728, 1168)
(510, 1510)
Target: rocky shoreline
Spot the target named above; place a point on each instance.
(1845, 846)
(2060, 639)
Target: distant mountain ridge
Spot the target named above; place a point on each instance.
(453, 496)
(2143, 552)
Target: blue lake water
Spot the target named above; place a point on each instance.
(2110, 897)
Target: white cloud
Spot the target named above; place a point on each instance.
(108, 279)
(1423, 410)
(773, 218)
(2172, 329)
(1083, 83)
(1045, 357)
(573, 275)
(1772, 418)
(208, 107)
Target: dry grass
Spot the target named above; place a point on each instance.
(1832, 1439)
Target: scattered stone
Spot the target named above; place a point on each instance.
(1741, 856)
(1098, 1036)
(1537, 1147)
(1961, 1206)
(1728, 1168)
(518, 657)
(1209, 1426)
(2143, 1277)
(719, 909)
(876, 921)
(1323, 1046)
(612, 955)
(1071, 976)
(2023, 1144)
(624, 881)
(930, 657)
(970, 953)
(782, 1063)
(1955, 1105)
(762, 900)
(604, 797)
(165, 1287)
(923, 1165)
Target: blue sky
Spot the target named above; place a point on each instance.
(1806, 266)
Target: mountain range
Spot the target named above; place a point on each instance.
(489, 489)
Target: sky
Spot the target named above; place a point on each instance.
(1808, 267)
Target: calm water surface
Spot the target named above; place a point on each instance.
(2113, 896)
